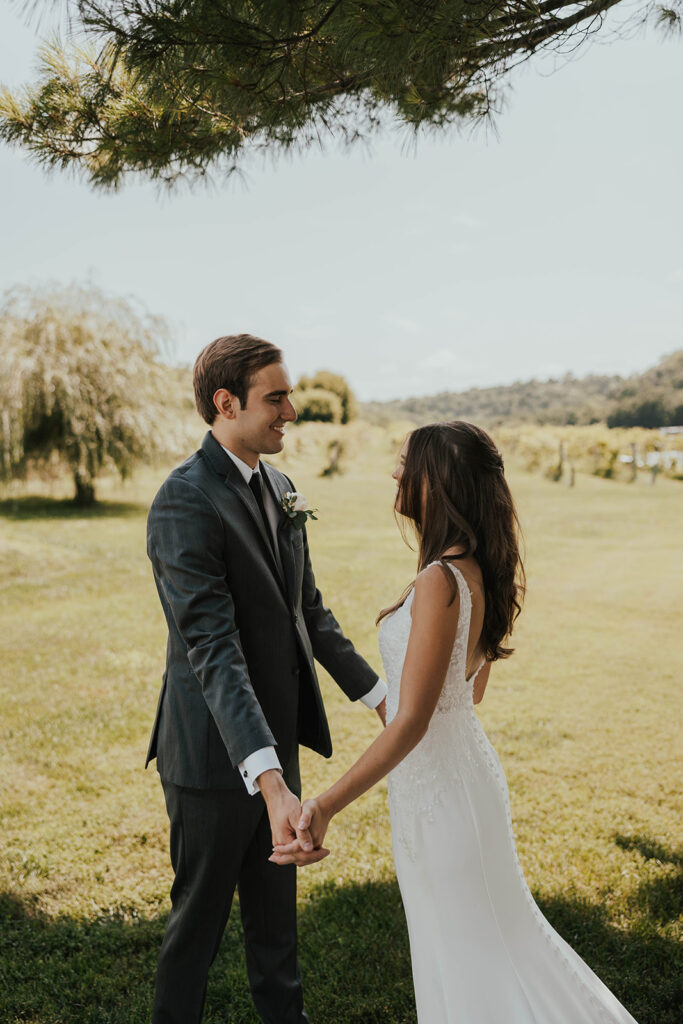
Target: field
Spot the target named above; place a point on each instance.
(584, 717)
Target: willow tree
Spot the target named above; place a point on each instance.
(168, 88)
(81, 385)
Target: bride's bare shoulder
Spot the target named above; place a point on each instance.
(435, 586)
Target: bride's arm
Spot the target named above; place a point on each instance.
(432, 635)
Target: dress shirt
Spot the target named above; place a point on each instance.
(264, 759)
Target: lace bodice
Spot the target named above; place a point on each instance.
(440, 758)
(393, 642)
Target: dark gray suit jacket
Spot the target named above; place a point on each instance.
(241, 635)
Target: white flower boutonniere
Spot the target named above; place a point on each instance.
(295, 507)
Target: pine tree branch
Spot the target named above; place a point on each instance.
(178, 86)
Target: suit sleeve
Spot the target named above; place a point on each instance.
(186, 544)
(330, 647)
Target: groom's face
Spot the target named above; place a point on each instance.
(261, 423)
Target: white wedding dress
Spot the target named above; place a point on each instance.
(482, 952)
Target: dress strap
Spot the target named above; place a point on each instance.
(459, 575)
(477, 670)
(464, 592)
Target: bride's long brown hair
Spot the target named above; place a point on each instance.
(454, 493)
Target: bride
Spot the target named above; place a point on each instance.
(482, 952)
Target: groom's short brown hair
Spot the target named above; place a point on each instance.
(230, 362)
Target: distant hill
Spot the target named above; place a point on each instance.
(655, 395)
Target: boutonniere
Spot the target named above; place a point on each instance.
(295, 507)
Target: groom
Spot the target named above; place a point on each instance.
(240, 692)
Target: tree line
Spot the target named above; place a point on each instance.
(84, 387)
(651, 399)
(654, 399)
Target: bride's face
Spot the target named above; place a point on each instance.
(398, 472)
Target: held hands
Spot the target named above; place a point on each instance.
(305, 846)
(286, 821)
(312, 823)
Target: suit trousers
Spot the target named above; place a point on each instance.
(221, 839)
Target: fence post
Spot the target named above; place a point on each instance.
(561, 460)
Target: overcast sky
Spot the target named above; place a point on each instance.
(553, 245)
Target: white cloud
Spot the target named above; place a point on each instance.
(403, 323)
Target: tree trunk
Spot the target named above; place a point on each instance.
(85, 489)
(335, 449)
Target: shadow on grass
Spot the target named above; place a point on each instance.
(659, 900)
(353, 950)
(63, 971)
(34, 507)
(650, 849)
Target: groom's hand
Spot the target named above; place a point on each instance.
(284, 813)
(315, 820)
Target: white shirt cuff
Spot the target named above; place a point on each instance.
(376, 695)
(260, 761)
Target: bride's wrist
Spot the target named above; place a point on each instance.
(326, 805)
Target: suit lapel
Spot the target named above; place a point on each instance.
(226, 468)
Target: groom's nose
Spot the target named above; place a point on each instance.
(289, 413)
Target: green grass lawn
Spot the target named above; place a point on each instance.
(584, 717)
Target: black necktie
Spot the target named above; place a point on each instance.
(257, 490)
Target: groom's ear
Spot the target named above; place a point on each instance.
(226, 403)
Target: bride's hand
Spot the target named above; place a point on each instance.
(314, 819)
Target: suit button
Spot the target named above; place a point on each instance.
(296, 617)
